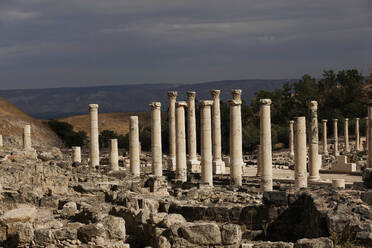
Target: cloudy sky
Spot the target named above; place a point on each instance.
(57, 43)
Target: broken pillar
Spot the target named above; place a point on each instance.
(134, 146)
(218, 164)
(266, 146)
(314, 140)
(181, 163)
(156, 148)
(172, 130)
(300, 153)
(206, 142)
(94, 144)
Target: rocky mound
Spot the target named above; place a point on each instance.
(12, 121)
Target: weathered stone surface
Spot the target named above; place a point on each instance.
(367, 178)
(314, 243)
(24, 214)
(231, 234)
(275, 197)
(203, 233)
(69, 209)
(90, 232)
(172, 219)
(115, 227)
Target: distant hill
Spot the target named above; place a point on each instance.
(118, 122)
(63, 102)
(12, 121)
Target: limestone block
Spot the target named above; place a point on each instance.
(24, 214)
(341, 165)
(314, 243)
(115, 227)
(338, 183)
(231, 234)
(172, 219)
(204, 233)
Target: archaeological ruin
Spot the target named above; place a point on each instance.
(312, 194)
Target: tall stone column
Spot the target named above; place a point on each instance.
(291, 144)
(335, 136)
(94, 145)
(300, 153)
(357, 138)
(218, 164)
(206, 142)
(156, 148)
(1, 141)
(325, 149)
(236, 150)
(266, 146)
(172, 130)
(114, 156)
(193, 163)
(181, 163)
(259, 159)
(346, 135)
(314, 139)
(27, 137)
(134, 146)
(369, 159)
(76, 154)
(367, 136)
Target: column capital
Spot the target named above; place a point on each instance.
(291, 122)
(155, 105)
(313, 105)
(236, 94)
(235, 102)
(172, 95)
(205, 103)
(265, 101)
(346, 119)
(324, 120)
(358, 119)
(335, 120)
(365, 118)
(93, 106)
(191, 95)
(181, 104)
(133, 118)
(215, 94)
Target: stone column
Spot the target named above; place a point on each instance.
(94, 145)
(291, 145)
(300, 153)
(357, 138)
(114, 156)
(259, 159)
(369, 134)
(27, 137)
(134, 146)
(236, 150)
(314, 140)
(156, 148)
(335, 135)
(206, 142)
(76, 154)
(218, 164)
(325, 149)
(266, 146)
(181, 163)
(346, 135)
(193, 163)
(172, 130)
(1, 141)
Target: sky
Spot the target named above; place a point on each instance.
(63, 43)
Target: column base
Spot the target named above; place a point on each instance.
(314, 178)
(218, 167)
(291, 155)
(171, 163)
(266, 184)
(193, 166)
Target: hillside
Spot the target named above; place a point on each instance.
(64, 102)
(118, 122)
(12, 121)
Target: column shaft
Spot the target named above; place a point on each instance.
(192, 162)
(94, 144)
(1, 141)
(206, 142)
(300, 153)
(314, 141)
(76, 154)
(335, 136)
(266, 146)
(27, 137)
(357, 138)
(218, 164)
(346, 135)
(236, 153)
(367, 135)
(291, 144)
(156, 148)
(172, 130)
(134, 146)
(114, 156)
(325, 149)
(369, 159)
(181, 163)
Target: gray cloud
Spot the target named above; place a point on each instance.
(53, 43)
